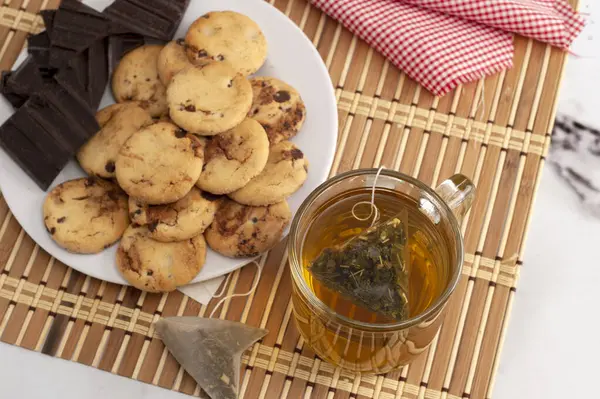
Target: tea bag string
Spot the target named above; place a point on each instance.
(373, 210)
(222, 289)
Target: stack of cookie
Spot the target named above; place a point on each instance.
(194, 152)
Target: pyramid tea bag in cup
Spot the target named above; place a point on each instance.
(369, 296)
(371, 269)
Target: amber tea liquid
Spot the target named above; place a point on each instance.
(333, 224)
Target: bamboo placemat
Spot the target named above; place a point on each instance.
(496, 131)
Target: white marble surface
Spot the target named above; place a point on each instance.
(30, 375)
(551, 349)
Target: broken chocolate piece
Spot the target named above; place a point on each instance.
(38, 46)
(75, 30)
(45, 142)
(170, 10)
(13, 98)
(37, 109)
(33, 161)
(68, 115)
(59, 56)
(139, 20)
(97, 72)
(26, 79)
(67, 77)
(119, 45)
(154, 18)
(76, 5)
(77, 112)
(48, 17)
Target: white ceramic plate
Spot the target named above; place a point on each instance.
(292, 58)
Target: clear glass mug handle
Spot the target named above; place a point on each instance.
(458, 192)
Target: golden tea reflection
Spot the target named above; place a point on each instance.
(332, 225)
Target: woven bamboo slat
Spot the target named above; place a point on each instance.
(496, 131)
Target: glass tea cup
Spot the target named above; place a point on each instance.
(347, 335)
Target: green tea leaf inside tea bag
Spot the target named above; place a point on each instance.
(371, 269)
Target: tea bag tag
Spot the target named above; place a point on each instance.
(373, 210)
(210, 350)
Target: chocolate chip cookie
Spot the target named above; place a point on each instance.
(159, 164)
(86, 215)
(245, 231)
(210, 99)
(178, 221)
(156, 266)
(234, 157)
(117, 123)
(285, 172)
(172, 59)
(278, 107)
(136, 79)
(229, 37)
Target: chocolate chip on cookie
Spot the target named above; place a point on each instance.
(278, 107)
(117, 123)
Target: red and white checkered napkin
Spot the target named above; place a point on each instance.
(442, 43)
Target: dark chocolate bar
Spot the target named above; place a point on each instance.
(47, 73)
(38, 110)
(48, 17)
(97, 71)
(59, 56)
(119, 45)
(26, 79)
(76, 115)
(169, 10)
(13, 98)
(139, 20)
(86, 74)
(78, 65)
(34, 162)
(67, 77)
(40, 41)
(54, 123)
(38, 46)
(78, 6)
(75, 30)
(46, 142)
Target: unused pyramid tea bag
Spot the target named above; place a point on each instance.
(371, 269)
(210, 350)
